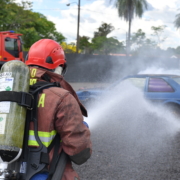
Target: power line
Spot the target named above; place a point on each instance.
(73, 8)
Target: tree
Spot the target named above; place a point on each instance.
(139, 39)
(33, 25)
(16, 16)
(142, 46)
(85, 45)
(68, 48)
(5, 15)
(100, 44)
(103, 45)
(170, 51)
(113, 46)
(148, 43)
(178, 50)
(104, 30)
(177, 21)
(127, 9)
(39, 28)
(157, 31)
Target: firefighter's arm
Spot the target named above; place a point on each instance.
(75, 135)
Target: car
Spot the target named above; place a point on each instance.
(163, 89)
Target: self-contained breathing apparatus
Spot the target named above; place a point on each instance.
(21, 162)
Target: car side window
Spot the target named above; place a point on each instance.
(137, 82)
(159, 85)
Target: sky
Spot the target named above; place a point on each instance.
(95, 12)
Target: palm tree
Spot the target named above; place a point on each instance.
(127, 9)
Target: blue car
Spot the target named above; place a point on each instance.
(163, 89)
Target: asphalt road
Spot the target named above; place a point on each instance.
(132, 140)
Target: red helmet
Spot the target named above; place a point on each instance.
(46, 53)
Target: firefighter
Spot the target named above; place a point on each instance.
(59, 110)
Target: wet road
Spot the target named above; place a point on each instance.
(132, 140)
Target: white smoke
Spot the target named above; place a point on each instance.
(155, 70)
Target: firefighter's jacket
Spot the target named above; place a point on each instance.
(59, 111)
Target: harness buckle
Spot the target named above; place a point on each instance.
(27, 100)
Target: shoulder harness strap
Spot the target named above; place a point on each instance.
(36, 158)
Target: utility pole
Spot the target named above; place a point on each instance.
(78, 21)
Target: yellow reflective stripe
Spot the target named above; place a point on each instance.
(35, 143)
(43, 134)
(46, 137)
(32, 143)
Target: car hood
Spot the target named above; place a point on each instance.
(91, 91)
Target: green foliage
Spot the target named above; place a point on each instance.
(177, 50)
(4, 19)
(85, 45)
(100, 44)
(105, 46)
(177, 21)
(157, 31)
(104, 30)
(33, 25)
(69, 48)
(142, 46)
(15, 16)
(173, 51)
(139, 40)
(148, 48)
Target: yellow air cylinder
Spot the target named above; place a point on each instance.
(14, 76)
